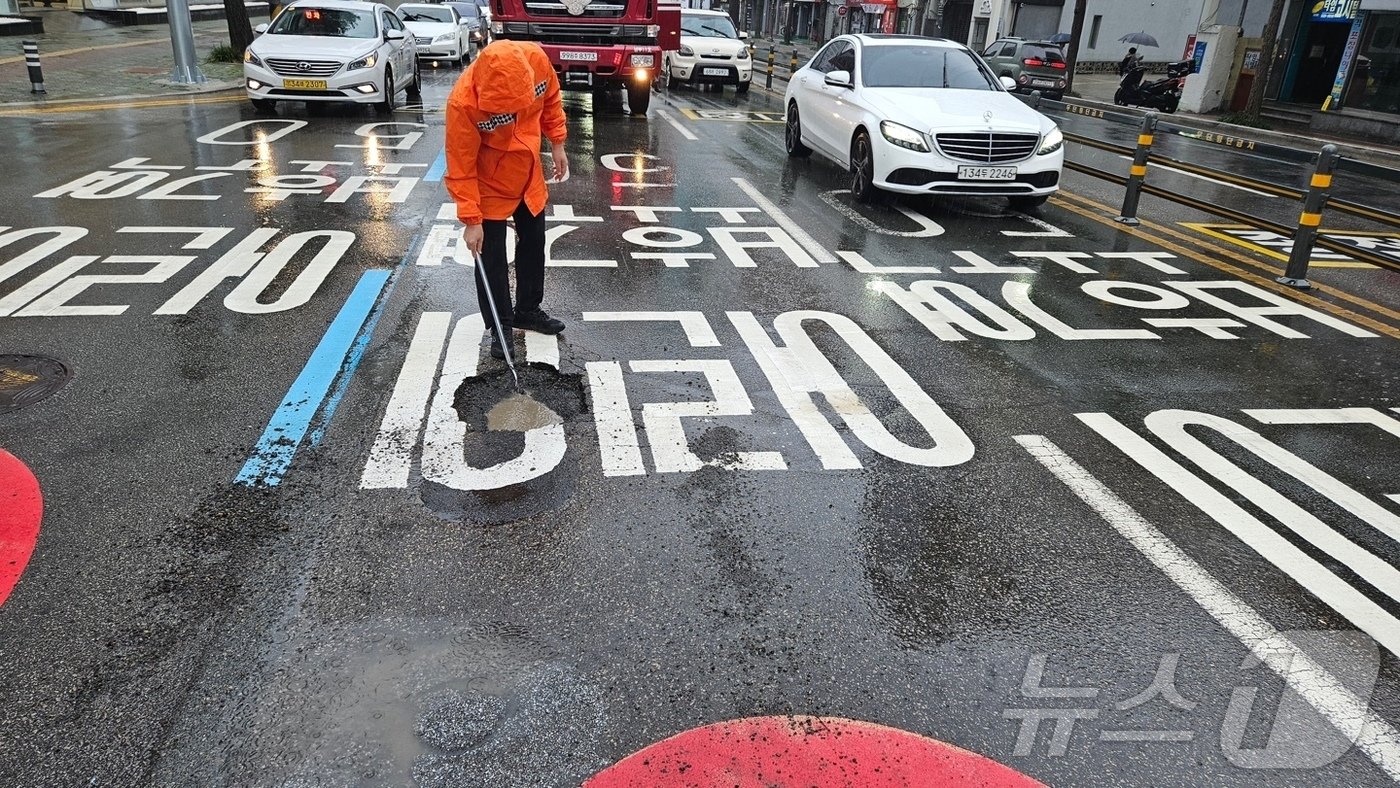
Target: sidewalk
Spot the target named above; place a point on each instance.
(86, 59)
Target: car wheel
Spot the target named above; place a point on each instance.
(743, 87)
(386, 105)
(1027, 203)
(863, 170)
(265, 106)
(792, 134)
(1118, 98)
(638, 97)
(415, 88)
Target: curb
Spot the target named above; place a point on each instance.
(219, 86)
(1349, 150)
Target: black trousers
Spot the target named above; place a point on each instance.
(529, 266)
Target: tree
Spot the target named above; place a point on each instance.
(240, 30)
(1255, 105)
(1075, 30)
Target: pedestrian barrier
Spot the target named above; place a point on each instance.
(1304, 233)
(36, 70)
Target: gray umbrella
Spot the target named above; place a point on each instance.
(1060, 38)
(1140, 38)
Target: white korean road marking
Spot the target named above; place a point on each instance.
(685, 132)
(819, 252)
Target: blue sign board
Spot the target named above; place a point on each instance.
(1198, 57)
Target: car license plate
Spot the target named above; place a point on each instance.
(590, 56)
(1042, 83)
(715, 72)
(986, 173)
(304, 84)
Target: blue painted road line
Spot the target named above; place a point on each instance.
(438, 169)
(288, 426)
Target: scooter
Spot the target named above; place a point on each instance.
(1163, 94)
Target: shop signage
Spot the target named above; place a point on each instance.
(1335, 10)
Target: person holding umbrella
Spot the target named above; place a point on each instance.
(1129, 62)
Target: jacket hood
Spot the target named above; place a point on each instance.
(503, 78)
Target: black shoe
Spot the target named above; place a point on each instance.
(497, 352)
(536, 320)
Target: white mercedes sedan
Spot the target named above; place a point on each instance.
(439, 30)
(331, 50)
(920, 116)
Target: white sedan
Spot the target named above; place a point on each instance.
(712, 51)
(920, 116)
(331, 50)
(439, 31)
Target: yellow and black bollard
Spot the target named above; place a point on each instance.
(792, 64)
(1308, 221)
(772, 55)
(1138, 174)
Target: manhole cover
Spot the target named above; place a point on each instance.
(24, 380)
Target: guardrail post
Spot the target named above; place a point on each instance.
(1313, 200)
(792, 64)
(1138, 173)
(772, 54)
(36, 71)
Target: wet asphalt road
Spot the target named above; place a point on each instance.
(1055, 489)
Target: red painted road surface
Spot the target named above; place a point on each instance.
(21, 508)
(810, 752)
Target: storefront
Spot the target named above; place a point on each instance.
(1319, 43)
(1374, 81)
(877, 17)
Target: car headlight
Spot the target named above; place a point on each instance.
(367, 61)
(249, 57)
(743, 53)
(444, 38)
(686, 51)
(1053, 142)
(903, 136)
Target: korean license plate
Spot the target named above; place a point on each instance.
(1042, 83)
(304, 84)
(715, 72)
(588, 56)
(986, 173)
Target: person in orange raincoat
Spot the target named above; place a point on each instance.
(500, 108)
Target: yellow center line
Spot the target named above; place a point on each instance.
(172, 101)
(5, 61)
(1252, 278)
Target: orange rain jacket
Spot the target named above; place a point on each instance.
(498, 110)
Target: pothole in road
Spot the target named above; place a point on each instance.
(25, 380)
(497, 419)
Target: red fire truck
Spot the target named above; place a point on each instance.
(596, 44)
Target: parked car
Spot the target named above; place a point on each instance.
(331, 50)
(1034, 65)
(920, 116)
(478, 21)
(439, 31)
(712, 51)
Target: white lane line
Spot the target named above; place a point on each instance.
(818, 252)
(685, 132)
(1163, 166)
(391, 457)
(1349, 714)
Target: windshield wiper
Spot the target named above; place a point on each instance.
(945, 70)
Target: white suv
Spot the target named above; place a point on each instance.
(331, 50)
(711, 52)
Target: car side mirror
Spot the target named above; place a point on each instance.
(743, 36)
(1008, 83)
(394, 35)
(260, 29)
(840, 79)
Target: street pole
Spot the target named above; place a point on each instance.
(186, 71)
(1072, 54)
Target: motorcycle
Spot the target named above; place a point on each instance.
(1163, 94)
